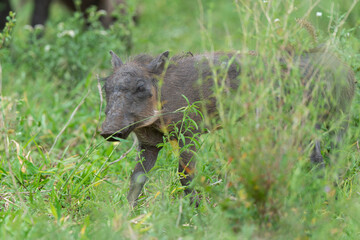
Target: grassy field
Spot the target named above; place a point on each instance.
(57, 177)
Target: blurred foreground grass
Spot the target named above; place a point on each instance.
(254, 183)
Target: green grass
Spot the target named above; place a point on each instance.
(255, 180)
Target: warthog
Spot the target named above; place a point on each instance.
(42, 9)
(137, 103)
(5, 8)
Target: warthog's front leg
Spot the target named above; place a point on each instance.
(146, 162)
(187, 171)
(316, 156)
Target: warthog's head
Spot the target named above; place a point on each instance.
(131, 95)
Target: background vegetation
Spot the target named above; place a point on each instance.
(57, 180)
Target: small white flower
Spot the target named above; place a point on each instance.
(318, 14)
(103, 32)
(70, 33)
(47, 48)
(39, 26)
(102, 12)
(265, 1)
(28, 27)
(276, 20)
(347, 34)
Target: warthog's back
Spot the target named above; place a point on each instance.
(328, 81)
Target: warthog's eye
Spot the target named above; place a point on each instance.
(142, 90)
(140, 86)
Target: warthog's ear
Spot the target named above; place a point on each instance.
(157, 65)
(115, 61)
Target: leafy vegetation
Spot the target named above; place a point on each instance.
(59, 178)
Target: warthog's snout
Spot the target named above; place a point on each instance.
(113, 136)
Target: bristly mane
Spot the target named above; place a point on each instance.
(142, 59)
